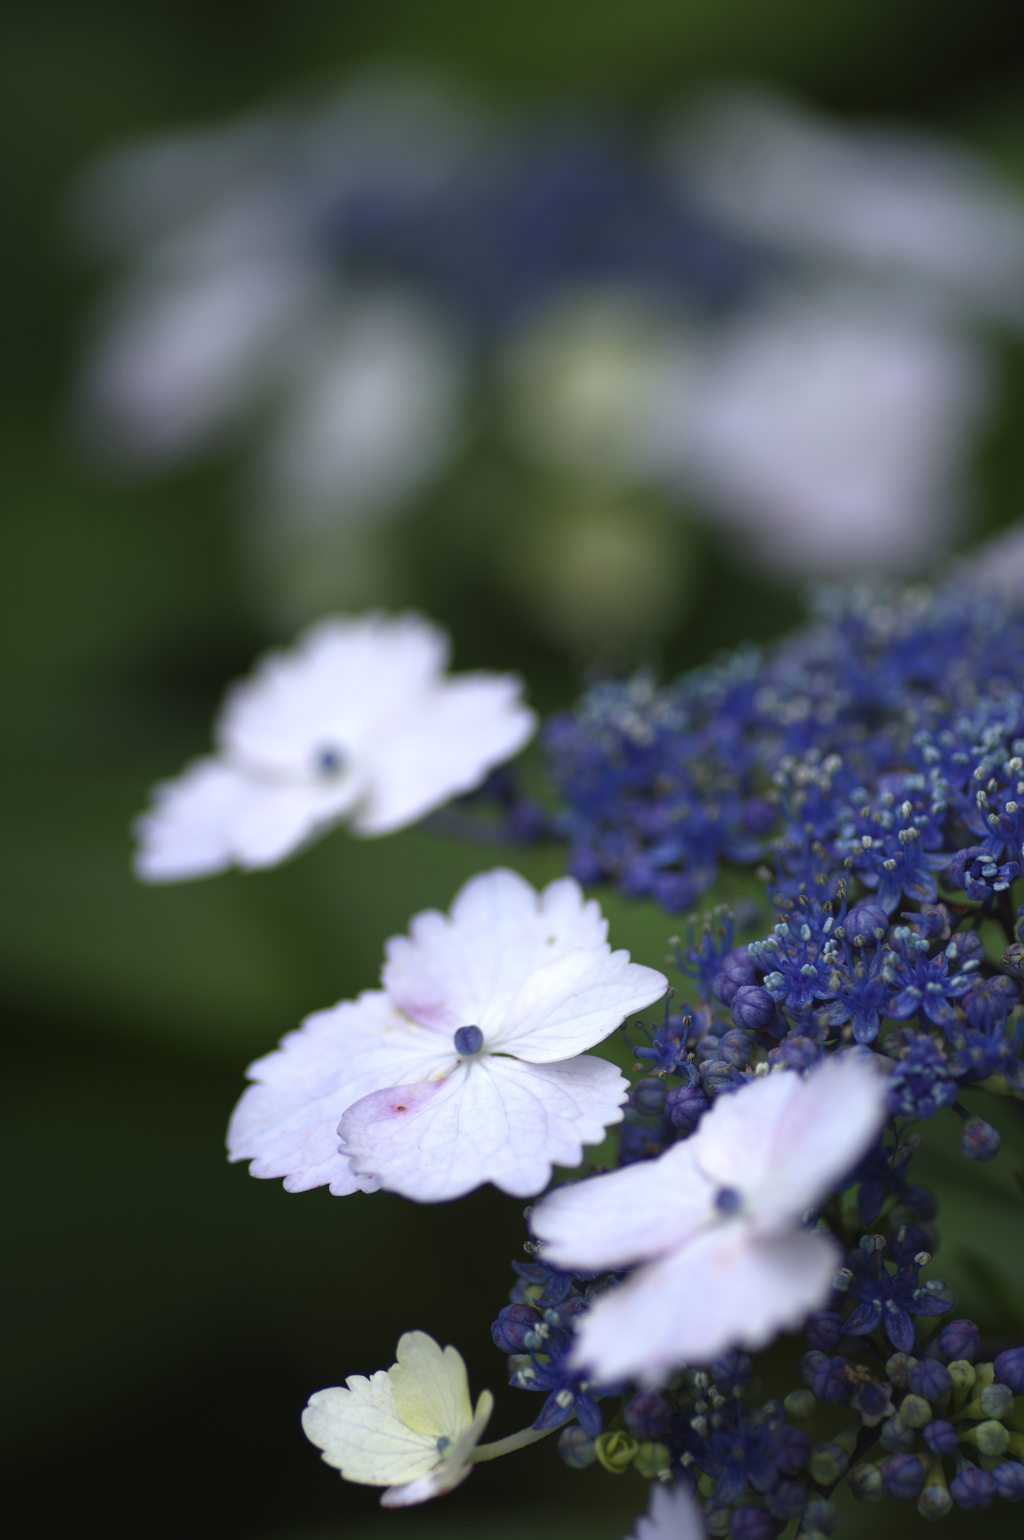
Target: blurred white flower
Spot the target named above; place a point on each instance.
(410, 1428)
(468, 1066)
(373, 413)
(672, 1514)
(357, 722)
(716, 1221)
(998, 565)
(829, 429)
(890, 202)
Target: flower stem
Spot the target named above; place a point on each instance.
(509, 1445)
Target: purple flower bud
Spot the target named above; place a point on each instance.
(685, 1105)
(1012, 960)
(787, 1501)
(732, 1371)
(513, 1325)
(972, 1488)
(648, 1096)
(865, 920)
(979, 1140)
(902, 1476)
(865, 1483)
(647, 1415)
(831, 1381)
(824, 1330)
(820, 1517)
(964, 946)
(576, 1447)
(809, 1365)
(752, 1522)
(941, 1436)
(1009, 1367)
(790, 1449)
(1009, 1480)
(988, 1001)
(753, 1008)
(960, 1339)
(735, 1047)
(929, 1379)
(795, 1052)
(738, 968)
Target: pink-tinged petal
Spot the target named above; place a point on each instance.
(286, 1124)
(628, 1216)
(574, 1002)
(672, 1514)
(492, 1120)
(725, 1289)
(465, 969)
(444, 745)
(784, 1141)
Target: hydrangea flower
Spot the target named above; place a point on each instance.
(358, 722)
(468, 1066)
(717, 1221)
(410, 1428)
(671, 1514)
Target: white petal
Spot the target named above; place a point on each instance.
(784, 1141)
(727, 1288)
(444, 745)
(186, 831)
(573, 1003)
(430, 1386)
(287, 1123)
(453, 1469)
(628, 1216)
(493, 1120)
(671, 1515)
(361, 1434)
(464, 970)
(342, 681)
(213, 816)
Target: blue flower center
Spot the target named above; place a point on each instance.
(728, 1200)
(468, 1040)
(329, 760)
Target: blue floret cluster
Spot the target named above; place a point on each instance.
(872, 770)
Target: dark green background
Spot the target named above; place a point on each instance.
(168, 1316)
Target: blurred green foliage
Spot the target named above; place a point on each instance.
(168, 1316)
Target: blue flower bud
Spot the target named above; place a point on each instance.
(979, 1140)
(753, 1008)
(824, 1329)
(899, 1369)
(1009, 1367)
(930, 1379)
(790, 1449)
(964, 946)
(995, 1400)
(829, 1463)
(809, 1364)
(941, 1437)
(647, 1415)
(800, 1404)
(577, 1449)
(896, 1436)
(732, 1371)
(685, 1105)
(935, 1501)
(796, 1053)
(513, 1325)
(735, 1047)
(648, 1097)
(863, 923)
(820, 1518)
(1009, 1480)
(738, 968)
(787, 1501)
(1012, 960)
(902, 1476)
(715, 1076)
(865, 1482)
(972, 1488)
(988, 1001)
(960, 1340)
(831, 1381)
(752, 1522)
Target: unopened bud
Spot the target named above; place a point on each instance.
(616, 1451)
(865, 1482)
(915, 1411)
(991, 1439)
(651, 1459)
(800, 1404)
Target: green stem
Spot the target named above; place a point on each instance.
(509, 1445)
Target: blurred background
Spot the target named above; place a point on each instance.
(595, 330)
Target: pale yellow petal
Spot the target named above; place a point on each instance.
(362, 1436)
(452, 1470)
(431, 1389)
